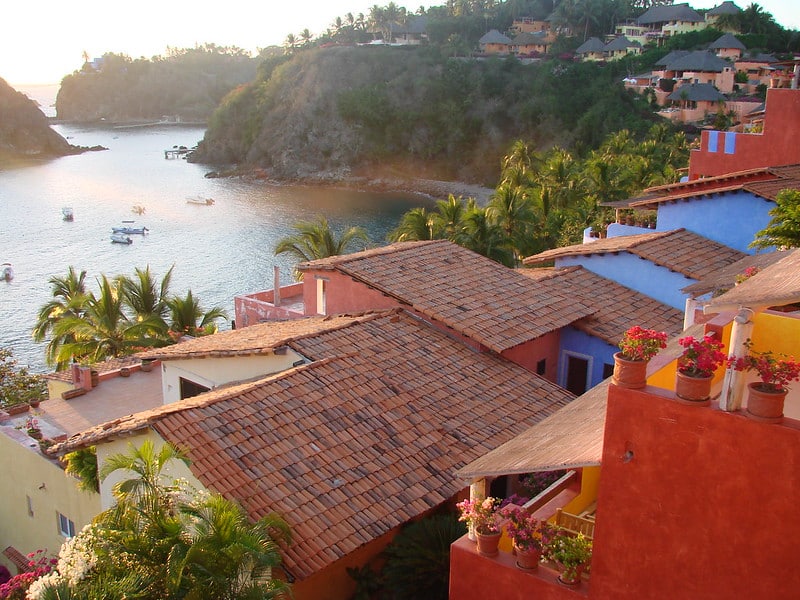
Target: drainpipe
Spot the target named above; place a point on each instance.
(733, 384)
(477, 493)
(276, 286)
(796, 77)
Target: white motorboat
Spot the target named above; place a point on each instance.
(68, 214)
(6, 272)
(120, 238)
(199, 200)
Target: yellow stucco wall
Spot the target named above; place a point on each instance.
(29, 475)
(174, 470)
(590, 480)
(778, 332)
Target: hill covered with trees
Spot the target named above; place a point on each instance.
(187, 84)
(341, 110)
(25, 130)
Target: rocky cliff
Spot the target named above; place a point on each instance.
(25, 130)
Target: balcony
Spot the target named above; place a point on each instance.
(259, 307)
(477, 576)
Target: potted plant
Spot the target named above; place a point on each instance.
(637, 346)
(484, 520)
(32, 428)
(775, 371)
(572, 554)
(528, 534)
(696, 366)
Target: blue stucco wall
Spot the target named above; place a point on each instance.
(573, 340)
(635, 273)
(732, 218)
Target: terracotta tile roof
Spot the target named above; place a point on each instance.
(616, 306)
(353, 445)
(763, 182)
(775, 285)
(725, 278)
(572, 437)
(469, 293)
(678, 250)
(262, 338)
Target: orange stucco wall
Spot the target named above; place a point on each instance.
(333, 583)
(705, 507)
(530, 353)
(343, 294)
(776, 146)
(475, 577)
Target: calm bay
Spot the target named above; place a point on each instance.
(218, 251)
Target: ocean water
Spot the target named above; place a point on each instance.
(218, 251)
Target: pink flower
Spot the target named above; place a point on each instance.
(642, 344)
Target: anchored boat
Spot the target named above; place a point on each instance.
(6, 272)
(120, 238)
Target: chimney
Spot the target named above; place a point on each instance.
(276, 286)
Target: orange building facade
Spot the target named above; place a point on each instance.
(723, 152)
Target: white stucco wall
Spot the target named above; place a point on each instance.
(213, 372)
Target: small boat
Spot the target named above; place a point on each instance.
(120, 238)
(129, 229)
(6, 272)
(199, 200)
(67, 213)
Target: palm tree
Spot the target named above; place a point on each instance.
(69, 299)
(417, 224)
(290, 44)
(103, 330)
(449, 217)
(513, 211)
(146, 465)
(314, 240)
(144, 296)
(483, 236)
(187, 318)
(306, 36)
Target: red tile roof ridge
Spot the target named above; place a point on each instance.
(333, 262)
(602, 246)
(214, 347)
(744, 174)
(144, 419)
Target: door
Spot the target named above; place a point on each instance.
(577, 374)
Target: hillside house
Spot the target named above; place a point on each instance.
(633, 31)
(529, 25)
(620, 47)
(726, 8)
(728, 47)
(701, 66)
(411, 33)
(359, 437)
(666, 20)
(694, 102)
(638, 446)
(592, 49)
(495, 42)
(531, 43)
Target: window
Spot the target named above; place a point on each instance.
(322, 285)
(65, 526)
(541, 367)
(190, 388)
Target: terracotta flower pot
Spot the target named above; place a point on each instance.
(631, 374)
(765, 406)
(147, 365)
(488, 543)
(527, 558)
(571, 577)
(693, 390)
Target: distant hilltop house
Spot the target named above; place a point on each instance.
(661, 22)
(594, 49)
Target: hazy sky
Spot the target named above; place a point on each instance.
(44, 40)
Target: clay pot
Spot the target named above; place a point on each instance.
(693, 390)
(527, 558)
(631, 374)
(765, 406)
(488, 543)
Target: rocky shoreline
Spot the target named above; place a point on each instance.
(428, 188)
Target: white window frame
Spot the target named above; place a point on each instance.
(562, 372)
(322, 301)
(66, 527)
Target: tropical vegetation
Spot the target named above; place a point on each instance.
(126, 315)
(165, 540)
(547, 199)
(783, 230)
(313, 240)
(17, 384)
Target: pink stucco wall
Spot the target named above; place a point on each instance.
(343, 294)
(530, 353)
